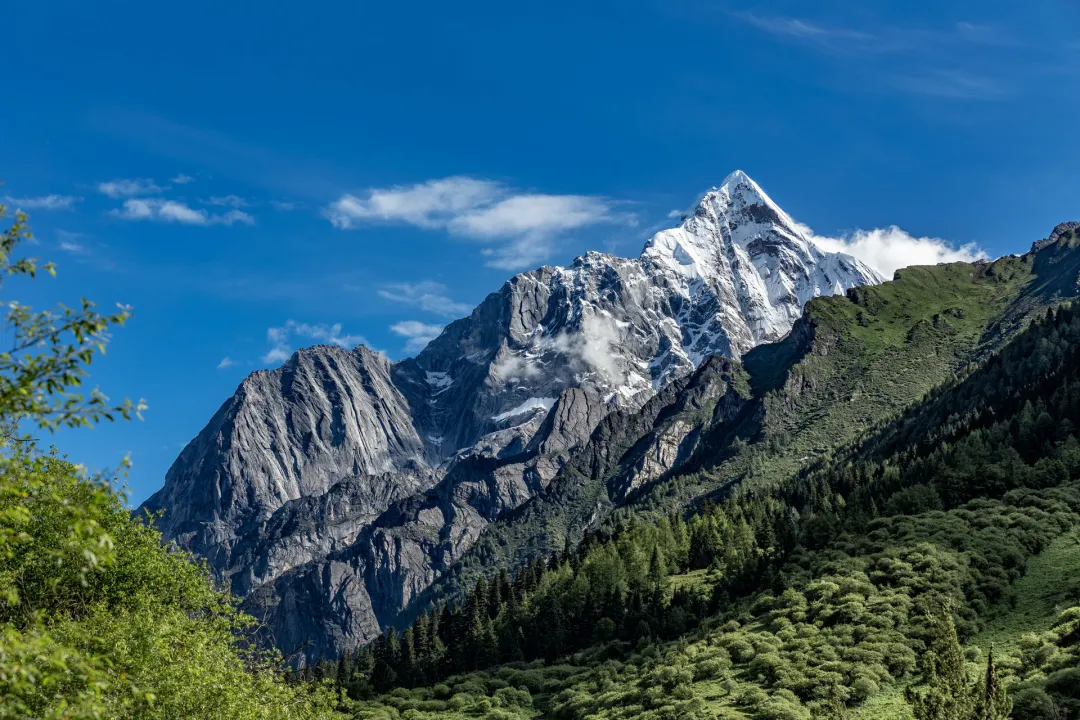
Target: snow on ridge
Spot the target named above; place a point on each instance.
(533, 403)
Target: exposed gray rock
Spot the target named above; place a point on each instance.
(325, 415)
(1064, 228)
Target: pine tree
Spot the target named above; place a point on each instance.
(948, 694)
(407, 666)
(344, 668)
(422, 635)
(994, 702)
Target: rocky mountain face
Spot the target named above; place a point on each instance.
(332, 491)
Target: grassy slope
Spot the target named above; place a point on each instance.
(1052, 583)
(870, 354)
(1049, 586)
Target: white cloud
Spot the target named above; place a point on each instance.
(162, 210)
(226, 362)
(280, 338)
(129, 187)
(528, 214)
(510, 366)
(595, 346)
(431, 204)
(592, 349)
(71, 242)
(516, 254)
(419, 334)
(427, 295)
(889, 249)
(277, 354)
(182, 179)
(284, 205)
(233, 201)
(482, 210)
(43, 202)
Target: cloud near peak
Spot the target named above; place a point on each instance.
(521, 226)
(426, 295)
(418, 334)
(889, 249)
(281, 338)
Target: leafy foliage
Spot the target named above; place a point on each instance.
(97, 619)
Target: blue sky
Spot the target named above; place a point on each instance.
(256, 177)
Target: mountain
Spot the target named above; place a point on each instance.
(333, 490)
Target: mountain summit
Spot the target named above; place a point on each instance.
(334, 489)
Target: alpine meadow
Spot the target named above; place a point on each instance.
(555, 361)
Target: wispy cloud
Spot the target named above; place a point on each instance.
(129, 187)
(161, 210)
(183, 179)
(277, 354)
(955, 84)
(882, 39)
(223, 155)
(43, 202)
(526, 223)
(427, 295)
(226, 362)
(71, 242)
(889, 249)
(233, 201)
(826, 37)
(284, 205)
(419, 334)
(963, 61)
(281, 339)
(985, 34)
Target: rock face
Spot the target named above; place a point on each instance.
(332, 491)
(1063, 229)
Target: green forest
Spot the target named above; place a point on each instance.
(918, 564)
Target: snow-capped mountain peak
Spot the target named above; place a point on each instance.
(507, 391)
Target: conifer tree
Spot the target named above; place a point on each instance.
(343, 669)
(948, 694)
(994, 702)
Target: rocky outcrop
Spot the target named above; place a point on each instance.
(1063, 229)
(325, 415)
(392, 561)
(333, 490)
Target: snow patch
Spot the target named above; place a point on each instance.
(529, 405)
(440, 382)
